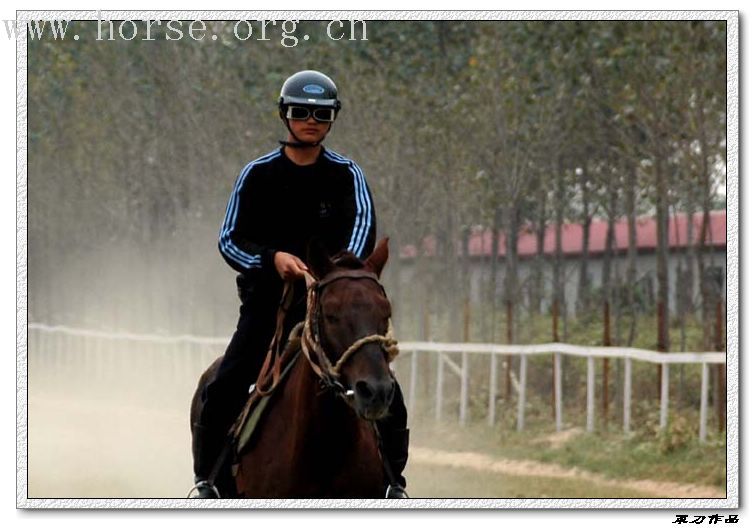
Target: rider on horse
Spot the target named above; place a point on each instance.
(280, 202)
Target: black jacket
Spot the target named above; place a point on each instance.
(277, 205)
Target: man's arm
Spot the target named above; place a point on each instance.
(362, 221)
(236, 242)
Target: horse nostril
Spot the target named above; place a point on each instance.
(363, 390)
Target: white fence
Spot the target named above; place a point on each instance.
(443, 352)
(198, 351)
(116, 362)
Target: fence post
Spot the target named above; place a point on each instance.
(439, 388)
(413, 383)
(704, 403)
(590, 393)
(522, 386)
(464, 388)
(627, 394)
(557, 388)
(664, 396)
(493, 388)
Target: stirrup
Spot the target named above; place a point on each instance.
(205, 490)
(395, 492)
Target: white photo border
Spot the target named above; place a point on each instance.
(732, 255)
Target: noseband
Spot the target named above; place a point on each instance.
(328, 373)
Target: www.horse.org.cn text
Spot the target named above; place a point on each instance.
(284, 31)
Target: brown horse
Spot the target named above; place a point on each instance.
(317, 439)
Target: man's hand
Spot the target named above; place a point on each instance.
(289, 266)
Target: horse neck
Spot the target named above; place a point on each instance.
(320, 413)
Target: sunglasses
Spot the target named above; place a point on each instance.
(321, 114)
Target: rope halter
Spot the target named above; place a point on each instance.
(328, 373)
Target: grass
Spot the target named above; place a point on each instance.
(643, 456)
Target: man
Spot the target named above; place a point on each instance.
(279, 203)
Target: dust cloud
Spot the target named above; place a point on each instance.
(94, 441)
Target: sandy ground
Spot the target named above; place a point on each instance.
(96, 449)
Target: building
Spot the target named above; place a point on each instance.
(481, 243)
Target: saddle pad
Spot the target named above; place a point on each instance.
(259, 404)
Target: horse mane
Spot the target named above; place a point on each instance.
(346, 259)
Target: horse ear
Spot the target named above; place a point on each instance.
(379, 257)
(318, 260)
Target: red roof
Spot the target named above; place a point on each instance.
(480, 240)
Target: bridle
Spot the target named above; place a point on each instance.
(328, 374)
(311, 343)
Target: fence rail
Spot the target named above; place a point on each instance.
(443, 350)
(445, 362)
(126, 336)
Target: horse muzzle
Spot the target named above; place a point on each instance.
(373, 397)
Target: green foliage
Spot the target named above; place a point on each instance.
(648, 433)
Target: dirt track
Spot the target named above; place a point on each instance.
(93, 449)
(525, 468)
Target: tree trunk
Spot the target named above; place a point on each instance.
(395, 290)
(607, 289)
(606, 279)
(463, 281)
(511, 291)
(494, 251)
(538, 293)
(421, 285)
(583, 293)
(558, 280)
(708, 301)
(450, 297)
(662, 205)
(631, 277)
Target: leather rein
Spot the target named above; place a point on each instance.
(328, 373)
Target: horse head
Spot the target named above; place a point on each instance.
(350, 313)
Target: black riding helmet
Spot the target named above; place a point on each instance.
(307, 88)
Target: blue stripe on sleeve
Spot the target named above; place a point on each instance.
(363, 204)
(227, 246)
